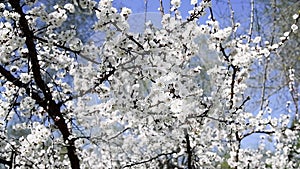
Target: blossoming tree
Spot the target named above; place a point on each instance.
(134, 101)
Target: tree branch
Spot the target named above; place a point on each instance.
(18, 83)
(188, 149)
(50, 105)
(146, 161)
(235, 69)
(258, 132)
(67, 49)
(161, 8)
(6, 162)
(251, 21)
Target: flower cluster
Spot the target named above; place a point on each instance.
(169, 97)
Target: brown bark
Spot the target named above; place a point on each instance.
(46, 101)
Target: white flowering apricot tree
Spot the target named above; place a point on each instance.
(134, 101)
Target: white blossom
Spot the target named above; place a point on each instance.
(70, 7)
(286, 34)
(294, 28)
(126, 12)
(194, 2)
(257, 39)
(2, 6)
(25, 77)
(176, 3)
(150, 99)
(177, 106)
(75, 44)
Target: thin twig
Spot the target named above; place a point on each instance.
(66, 48)
(258, 132)
(244, 102)
(188, 149)
(274, 15)
(130, 37)
(251, 21)
(231, 14)
(267, 61)
(148, 160)
(146, 11)
(232, 18)
(212, 14)
(113, 137)
(264, 83)
(161, 8)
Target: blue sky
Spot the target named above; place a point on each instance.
(220, 7)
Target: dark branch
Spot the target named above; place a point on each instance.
(49, 104)
(188, 150)
(211, 14)
(146, 161)
(233, 77)
(18, 83)
(57, 45)
(257, 132)
(6, 162)
(244, 102)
